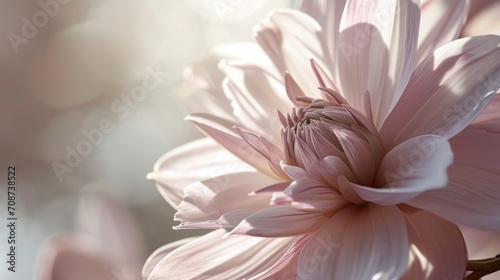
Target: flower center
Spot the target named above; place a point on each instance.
(332, 138)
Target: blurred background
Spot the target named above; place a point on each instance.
(73, 72)
(87, 107)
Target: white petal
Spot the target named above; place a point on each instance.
(202, 92)
(256, 96)
(211, 198)
(160, 253)
(440, 23)
(190, 163)
(328, 14)
(291, 39)
(378, 43)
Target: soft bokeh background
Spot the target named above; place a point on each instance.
(61, 77)
(67, 66)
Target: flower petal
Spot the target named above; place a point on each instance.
(440, 23)
(413, 167)
(189, 163)
(437, 248)
(447, 91)
(221, 130)
(214, 257)
(255, 96)
(310, 194)
(202, 91)
(328, 14)
(291, 38)
(211, 198)
(267, 149)
(472, 195)
(490, 114)
(357, 243)
(378, 43)
(359, 155)
(161, 253)
(291, 222)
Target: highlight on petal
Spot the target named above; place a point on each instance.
(413, 167)
(255, 94)
(190, 163)
(161, 253)
(437, 248)
(209, 199)
(201, 92)
(291, 38)
(357, 243)
(440, 23)
(214, 257)
(328, 14)
(378, 41)
(447, 91)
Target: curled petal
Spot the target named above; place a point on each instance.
(415, 166)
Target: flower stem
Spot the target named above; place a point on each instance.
(482, 267)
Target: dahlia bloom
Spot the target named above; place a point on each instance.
(360, 168)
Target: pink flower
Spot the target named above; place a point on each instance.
(364, 178)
